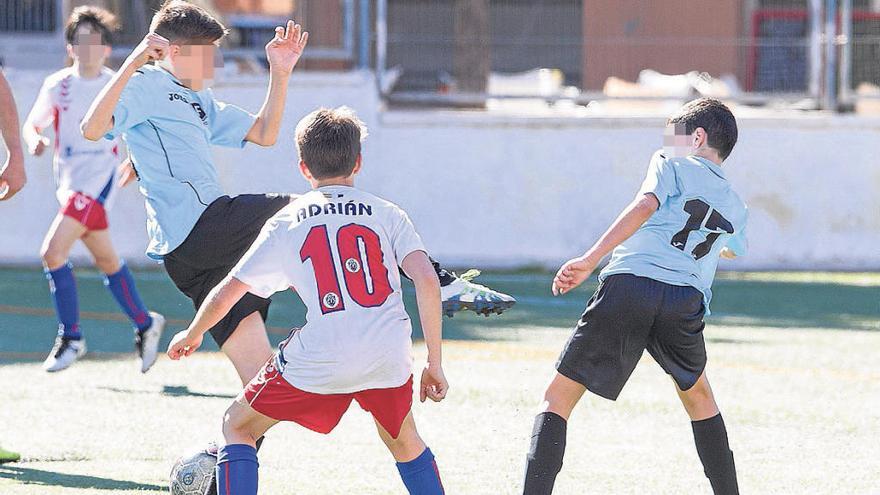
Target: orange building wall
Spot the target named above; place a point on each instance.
(622, 37)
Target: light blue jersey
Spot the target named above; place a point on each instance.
(699, 215)
(169, 130)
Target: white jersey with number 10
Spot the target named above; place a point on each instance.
(340, 249)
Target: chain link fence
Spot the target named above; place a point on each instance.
(339, 28)
(470, 52)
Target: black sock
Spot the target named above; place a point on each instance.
(710, 436)
(545, 454)
(445, 277)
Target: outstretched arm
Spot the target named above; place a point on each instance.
(418, 267)
(220, 300)
(12, 176)
(99, 119)
(576, 270)
(283, 53)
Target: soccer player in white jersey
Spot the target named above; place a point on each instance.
(653, 293)
(340, 249)
(86, 179)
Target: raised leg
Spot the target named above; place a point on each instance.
(248, 347)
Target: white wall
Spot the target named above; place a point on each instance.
(500, 190)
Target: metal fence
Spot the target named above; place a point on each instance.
(339, 28)
(816, 53)
(808, 53)
(29, 16)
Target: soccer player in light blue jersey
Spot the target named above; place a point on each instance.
(653, 293)
(161, 104)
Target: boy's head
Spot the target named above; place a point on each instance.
(89, 34)
(194, 35)
(329, 144)
(701, 123)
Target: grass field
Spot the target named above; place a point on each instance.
(792, 358)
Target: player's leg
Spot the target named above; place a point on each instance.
(69, 345)
(248, 347)
(547, 448)
(237, 459)
(120, 282)
(710, 436)
(677, 344)
(460, 293)
(415, 461)
(600, 356)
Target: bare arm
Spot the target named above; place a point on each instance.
(283, 52)
(33, 137)
(418, 267)
(575, 271)
(99, 119)
(220, 300)
(12, 175)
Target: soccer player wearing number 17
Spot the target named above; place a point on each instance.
(653, 293)
(340, 248)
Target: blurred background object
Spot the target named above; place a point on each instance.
(465, 52)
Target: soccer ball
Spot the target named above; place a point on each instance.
(194, 474)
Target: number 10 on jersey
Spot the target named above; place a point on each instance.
(354, 242)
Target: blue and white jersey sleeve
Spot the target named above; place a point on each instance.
(404, 239)
(263, 266)
(660, 180)
(134, 105)
(229, 124)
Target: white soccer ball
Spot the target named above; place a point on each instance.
(194, 474)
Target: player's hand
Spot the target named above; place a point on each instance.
(728, 253)
(126, 173)
(183, 344)
(434, 385)
(152, 47)
(38, 146)
(572, 274)
(285, 49)
(12, 176)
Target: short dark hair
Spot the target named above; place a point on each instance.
(100, 20)
(183, 22)
(714, 117)
(329, 141)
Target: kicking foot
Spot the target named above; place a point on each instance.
(64, 353)
(146, 343)
(8, 456)
(463, 294)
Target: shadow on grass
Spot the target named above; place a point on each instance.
(50, 478)
(169, 390)
(184, 391)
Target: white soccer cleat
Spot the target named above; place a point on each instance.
(146, 343)
(464, 294)
(64, 353)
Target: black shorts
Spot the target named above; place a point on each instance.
(222, 235)
(626, 315)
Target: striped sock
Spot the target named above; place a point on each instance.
(62, 285)
(420, 475)
(121, 285)
(237, 470)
